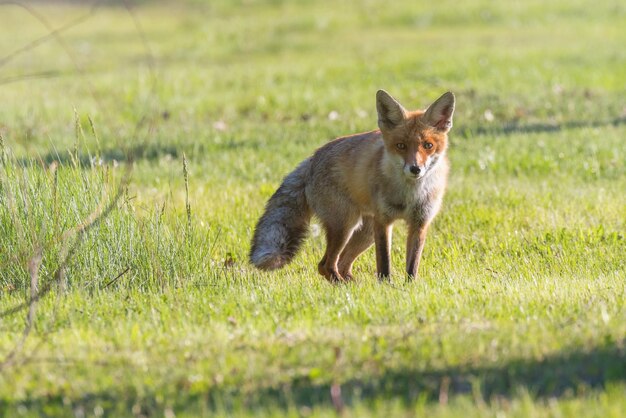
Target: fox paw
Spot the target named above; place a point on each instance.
(332, 276)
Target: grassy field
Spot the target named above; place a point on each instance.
(138, 149)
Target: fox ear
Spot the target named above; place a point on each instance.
(390, 112)
(439, 114)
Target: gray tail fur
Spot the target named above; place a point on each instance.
(285, 223)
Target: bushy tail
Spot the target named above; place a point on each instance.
(285, 223)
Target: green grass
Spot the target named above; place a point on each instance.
(519, 309)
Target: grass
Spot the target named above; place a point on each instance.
(519, 308)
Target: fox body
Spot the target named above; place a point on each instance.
(358, 186)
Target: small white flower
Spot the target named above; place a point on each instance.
(361, 113)
(220, 125)
(333, 115)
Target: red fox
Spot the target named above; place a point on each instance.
(358, 186)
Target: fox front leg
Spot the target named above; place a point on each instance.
(414, 248)
(382, 240)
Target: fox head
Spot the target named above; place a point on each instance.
(415, 140)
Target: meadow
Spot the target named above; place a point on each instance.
(139, 144)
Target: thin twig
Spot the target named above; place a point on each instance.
(31, 76)
(443, 390)
(187, 204)
(126, 270)
(335, 388)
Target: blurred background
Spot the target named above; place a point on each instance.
(205, 66)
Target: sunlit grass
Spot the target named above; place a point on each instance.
(519, 307)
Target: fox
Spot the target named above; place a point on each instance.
(357, 186)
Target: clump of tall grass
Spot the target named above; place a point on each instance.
(79, 213)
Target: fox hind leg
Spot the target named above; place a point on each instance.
(337, 236)
(361, 239)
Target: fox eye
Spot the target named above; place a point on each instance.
(400, 145)
(428, 145)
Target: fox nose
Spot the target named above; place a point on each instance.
(415, 170)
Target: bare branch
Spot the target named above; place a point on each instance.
(52, 32)
(76, 234)
(33, 270)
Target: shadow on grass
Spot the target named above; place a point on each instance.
(149, 152)
(564, 374)
(141, 152)
(152, 151)
(509, 128)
